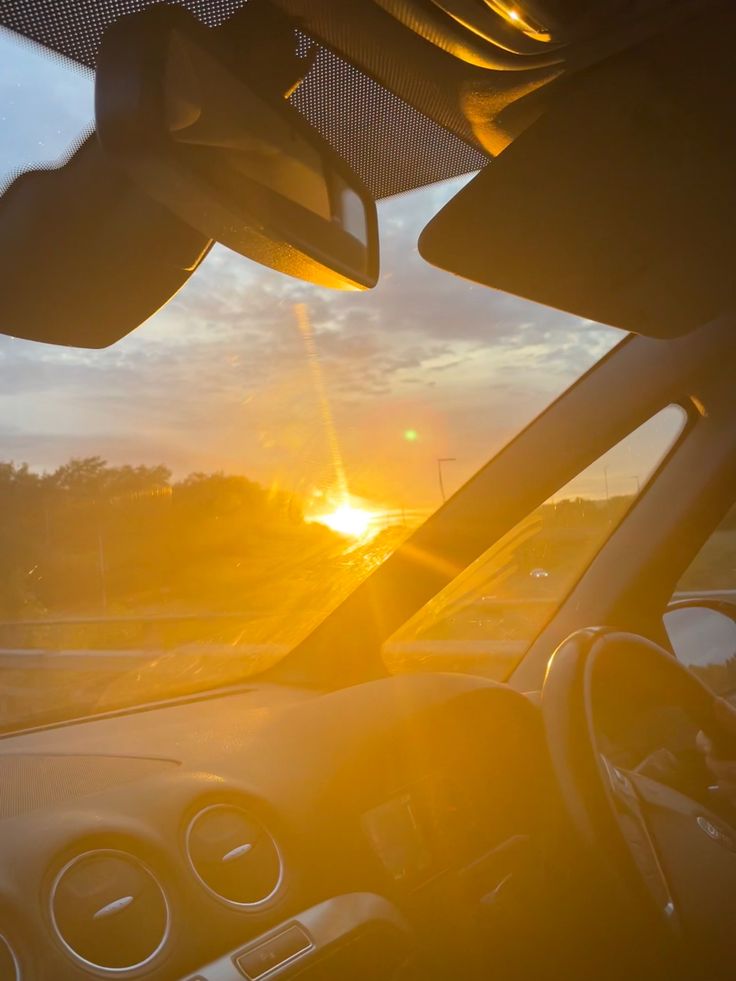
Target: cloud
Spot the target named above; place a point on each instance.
(220, 377)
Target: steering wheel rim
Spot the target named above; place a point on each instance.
(598, 794)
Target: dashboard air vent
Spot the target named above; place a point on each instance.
(9, 967)
(109, 910)
(233, 855)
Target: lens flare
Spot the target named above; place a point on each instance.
(347, 520)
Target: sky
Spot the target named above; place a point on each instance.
(219, 378)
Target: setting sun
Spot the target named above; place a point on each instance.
(347, 520)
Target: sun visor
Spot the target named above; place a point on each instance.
(85, 257)
(619, 203)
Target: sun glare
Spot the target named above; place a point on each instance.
(347, 520)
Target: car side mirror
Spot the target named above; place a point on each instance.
(193, 117)
(703, 637)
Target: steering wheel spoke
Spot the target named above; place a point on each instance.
(611, 697)
(638, 837)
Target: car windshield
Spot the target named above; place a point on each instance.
(180, 509)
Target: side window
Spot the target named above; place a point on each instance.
(712, 573)
(484, 620)
(702, 625)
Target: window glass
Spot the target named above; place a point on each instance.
(179, 510)
(713, 570)
(46, 106)
(703, 633)
(487, 617)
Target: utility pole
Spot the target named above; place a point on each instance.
(440, 461)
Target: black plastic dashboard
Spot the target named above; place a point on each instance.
(272, 832)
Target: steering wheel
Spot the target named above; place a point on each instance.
(673, 849)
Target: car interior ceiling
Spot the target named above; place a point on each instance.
(330, 818)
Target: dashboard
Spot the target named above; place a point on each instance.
(268, 832)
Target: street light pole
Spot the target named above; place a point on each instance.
(440, 461)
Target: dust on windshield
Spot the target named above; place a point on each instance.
(180, 509)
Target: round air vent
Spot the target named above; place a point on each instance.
(233, 855)
(9, 967)
(109, 910)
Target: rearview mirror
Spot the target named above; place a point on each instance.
(181, 109)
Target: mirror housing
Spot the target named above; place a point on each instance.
(192, 118)
(85, 255)
(702, 633)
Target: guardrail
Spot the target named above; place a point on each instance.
(140, 635)
(133, 618)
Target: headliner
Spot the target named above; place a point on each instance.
(392, 145)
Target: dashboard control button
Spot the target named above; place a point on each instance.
(258, 961)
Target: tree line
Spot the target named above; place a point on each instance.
(93, 539)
